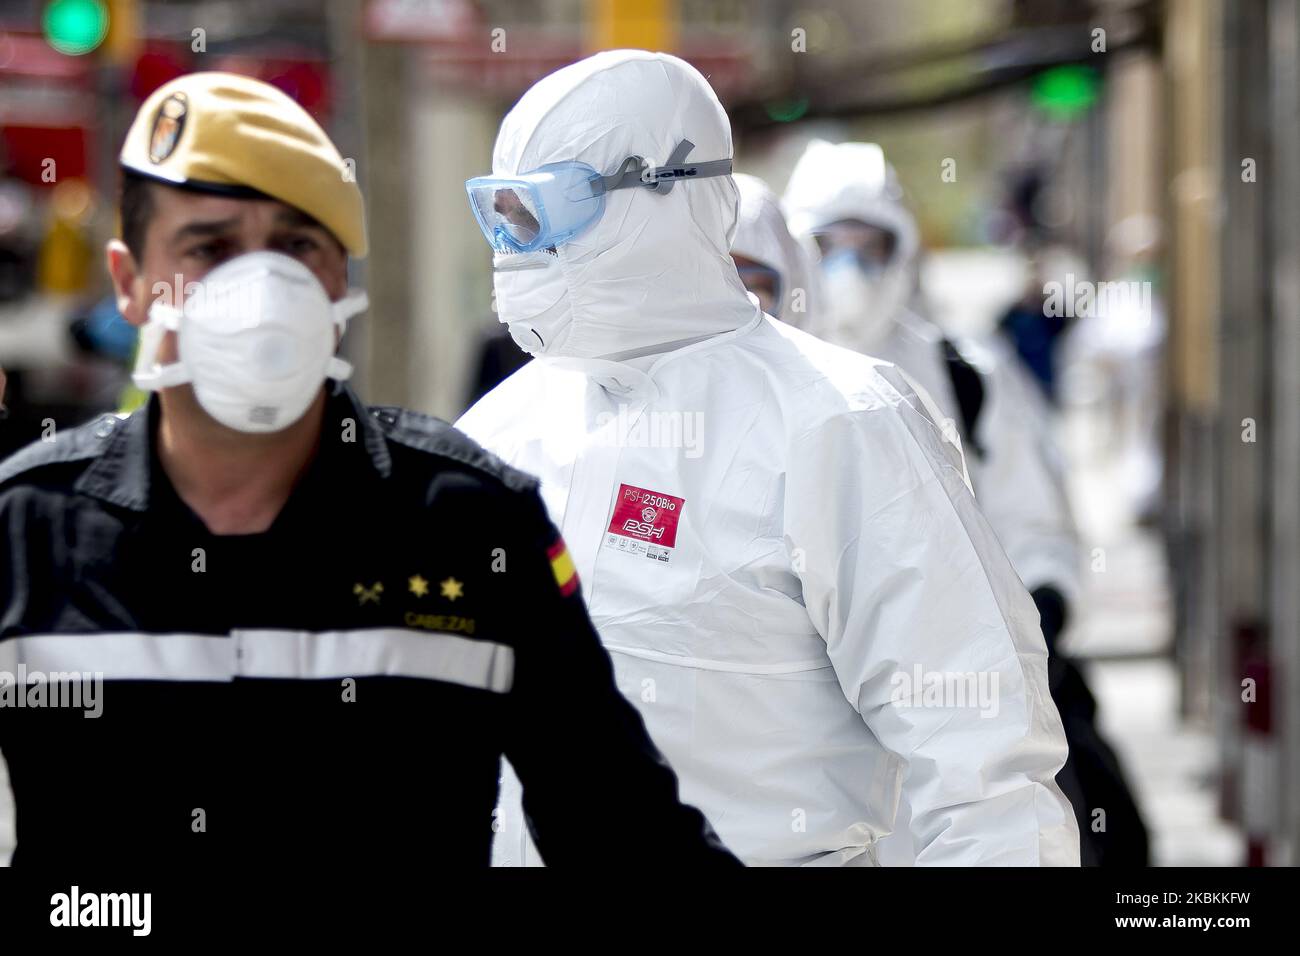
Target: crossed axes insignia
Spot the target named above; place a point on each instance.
(365, 594)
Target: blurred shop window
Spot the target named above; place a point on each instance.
(159, 63)
(44, 155)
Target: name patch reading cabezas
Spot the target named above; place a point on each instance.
(644, 522)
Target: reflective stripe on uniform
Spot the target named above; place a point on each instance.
(303, 655)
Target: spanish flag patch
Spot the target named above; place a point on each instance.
(566, 575)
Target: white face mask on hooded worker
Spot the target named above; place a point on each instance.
(526, 218)
(861, 303)
(255, 339)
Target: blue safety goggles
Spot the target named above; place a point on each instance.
(556, 202)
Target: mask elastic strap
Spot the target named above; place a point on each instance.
(635, 171)
(148, 375)
(355, 302)
(166, 316)
(162, 376)
(338, 369)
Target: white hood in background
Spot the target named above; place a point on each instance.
(834, 181)
(656, 270)
(837, 181)
(764, 237)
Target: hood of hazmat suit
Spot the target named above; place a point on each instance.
(762, 236)
(833, 183)
(600, 295)
(795, 585)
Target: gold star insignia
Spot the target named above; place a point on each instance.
(419, 587)
(452, 589)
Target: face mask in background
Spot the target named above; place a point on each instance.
(256, 341)
(860, 302)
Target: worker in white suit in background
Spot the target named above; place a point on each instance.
(795, 584)
(771, 261)
(782, 272)
(846, 199)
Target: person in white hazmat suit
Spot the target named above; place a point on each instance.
(786, 566)
(853, 194)
(846, 199)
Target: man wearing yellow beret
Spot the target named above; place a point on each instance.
(303, 629)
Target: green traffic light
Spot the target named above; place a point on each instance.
(1065, 91)
(75, 27)
(789, 110)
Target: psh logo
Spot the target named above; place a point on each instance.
(644, 521)
(645, 528)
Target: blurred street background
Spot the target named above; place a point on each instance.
(1046, 146)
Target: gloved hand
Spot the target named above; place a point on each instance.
(1053, 613)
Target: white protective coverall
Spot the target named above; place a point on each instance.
(762, 236)
(774, 544)
(1015, 465)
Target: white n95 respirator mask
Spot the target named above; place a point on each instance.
(255, 339)
(532, 297)
(861, 304)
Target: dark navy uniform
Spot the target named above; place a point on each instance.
(341, 686)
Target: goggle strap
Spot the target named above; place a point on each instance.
(629, 174)
(635, 171)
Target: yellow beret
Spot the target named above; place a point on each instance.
(236, 136)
